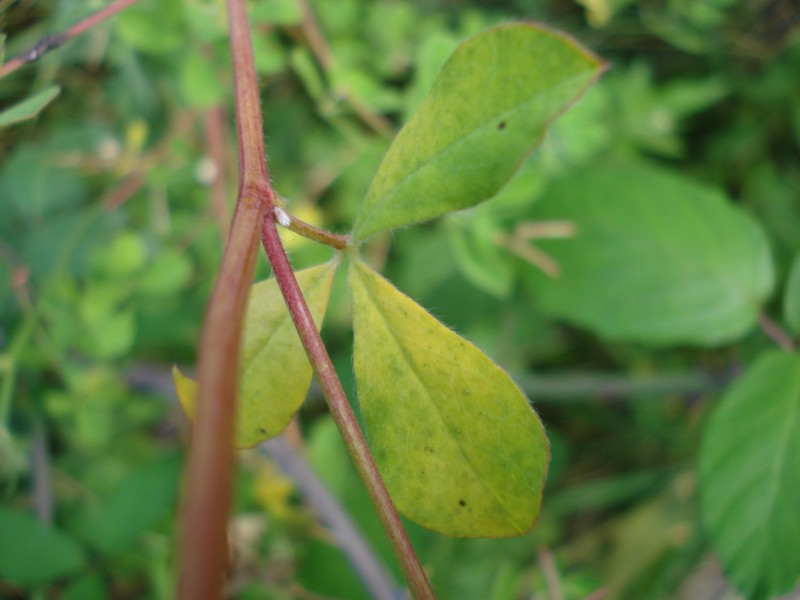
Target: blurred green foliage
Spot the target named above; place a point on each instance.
(113, 203)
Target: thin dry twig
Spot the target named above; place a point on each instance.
(369, 568)
(775, 333)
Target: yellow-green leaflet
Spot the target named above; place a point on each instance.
(489, 107)
(459, 446)
(275, 372)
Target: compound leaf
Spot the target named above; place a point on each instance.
(750, 477)
(274, 370)
(657, 258)
(459, 446)
(488, 108)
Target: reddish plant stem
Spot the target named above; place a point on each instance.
(203, 551)
(343, 413)
(52, 41)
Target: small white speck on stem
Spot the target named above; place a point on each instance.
(282, 216)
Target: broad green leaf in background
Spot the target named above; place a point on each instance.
(459, 446)
(200, 85)
(145, 496)
(154, 27)
(750, 477)
(657, 258)
(274, 370)
(488, 108)
(478, 255)
(303, 65)
(276, 12)
(34, 189)
(87, 587)
(270, 56)
(28, 108)
(433, 52)
(167, 274)
(33, 553)
(791, 296)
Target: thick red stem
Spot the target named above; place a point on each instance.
(203, 551)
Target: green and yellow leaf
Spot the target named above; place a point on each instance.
(274, 370)
(459, 446)
(487, 110)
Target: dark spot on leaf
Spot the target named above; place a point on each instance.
(262, 430)
(501, 125)
(462, 503)
(428, 449)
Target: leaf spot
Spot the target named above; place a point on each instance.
(501, 125)
(462, 503)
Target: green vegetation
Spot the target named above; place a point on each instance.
(638, 276)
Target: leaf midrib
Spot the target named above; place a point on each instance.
(452, 147)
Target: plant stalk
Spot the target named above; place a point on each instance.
(203, 551)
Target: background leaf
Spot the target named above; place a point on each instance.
(31, 552)
(791, 296)
(460, 448)
(200, 85)
(657, 258)
(147, 495)
(30, 107)
(486, 111)
(750, 477)
(478, 255)
(275, 372)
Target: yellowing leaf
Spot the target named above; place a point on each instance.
(459, 446)
(274, 370)
(186, 389)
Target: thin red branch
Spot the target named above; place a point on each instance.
(343, 413)
(203, 551)
(52, 41)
